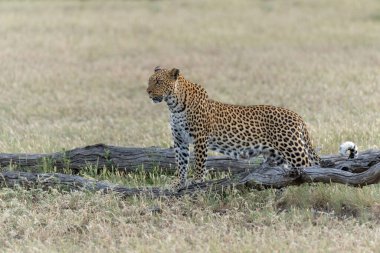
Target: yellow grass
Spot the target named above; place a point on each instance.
(74, 73)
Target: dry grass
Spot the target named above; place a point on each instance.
(75, 73)
(45, 221)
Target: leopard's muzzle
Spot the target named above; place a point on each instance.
(156, 99)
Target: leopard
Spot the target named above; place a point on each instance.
(278, 134)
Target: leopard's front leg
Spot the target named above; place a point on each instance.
(182, 159)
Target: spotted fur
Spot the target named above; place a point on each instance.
(240, 132)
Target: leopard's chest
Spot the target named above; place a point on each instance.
(181, 128)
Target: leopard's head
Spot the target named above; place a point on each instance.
(162, 83)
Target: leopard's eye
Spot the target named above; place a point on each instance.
(158, 82)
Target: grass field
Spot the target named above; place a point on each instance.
(74, 73)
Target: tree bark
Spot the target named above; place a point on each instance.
(362, 171)
(129, 159)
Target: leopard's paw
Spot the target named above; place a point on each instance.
(177, 184)
(195, 181)
(198, 180)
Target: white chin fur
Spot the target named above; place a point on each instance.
(348, 147)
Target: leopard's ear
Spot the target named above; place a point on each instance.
(174, 73)
(157, 68)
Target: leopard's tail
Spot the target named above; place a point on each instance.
(350, 148)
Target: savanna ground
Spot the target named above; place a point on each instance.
(74, 73)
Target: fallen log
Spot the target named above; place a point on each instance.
(259, 178)
(129, 159)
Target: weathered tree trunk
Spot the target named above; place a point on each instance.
(260, 178)
(364, 170)
(129, 159)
